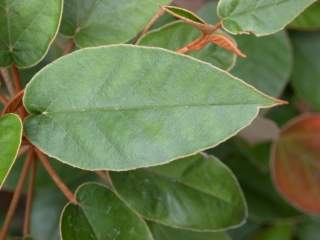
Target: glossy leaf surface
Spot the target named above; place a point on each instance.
(10, 140)
(178, 34)
(101, 215)
(306, 74)
(100, 112)
(296, 166)
(309, 19)
(93, 23)
(27, 29)
(197, 193)
(161, 232)
(266, 67)
(259, 17)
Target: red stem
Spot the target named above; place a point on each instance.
(57, 180)
(15, 198)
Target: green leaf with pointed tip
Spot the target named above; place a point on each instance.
(265, 67)
(306, 73)
(184, 14)
(93, 23)
(10, 140)
(178, 34)
(259, 17)
(101, 215)
(27, 29)
(161, 232)
(195, 193)
(123, 107)
(309, 19)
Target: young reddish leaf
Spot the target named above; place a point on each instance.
(296, 163)
(224, 41)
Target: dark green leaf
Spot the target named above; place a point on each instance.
(184, 14)
(101, 215)
(259, 17)
(197, 193)
(161, 232)
(10, 140)
(93, 23)
(27, 29)
(178, 34)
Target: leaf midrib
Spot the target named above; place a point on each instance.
(142, 108)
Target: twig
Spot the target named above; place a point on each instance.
(15, 198)
(60, 184)
(27, 214)
(14, 103)
(158, 14)
(69, 47)
(7, 81)
(3, 99)
(16, 78)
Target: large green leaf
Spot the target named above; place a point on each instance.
(178, 34)
(306, 70)
(197, 193)
(101, 215)
(92, 22)
(161, 232)
(122, 107)
(309, 19)
(27, 29)
(265, 67)
(259, 17)
(10, 140)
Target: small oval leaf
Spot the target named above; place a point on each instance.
(27, 29)
(259, 17)
(175, 194)
(10, 140)
(101, 111)
(295, 163)
(101, 215)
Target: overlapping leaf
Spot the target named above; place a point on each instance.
(124, 107)
(259, 17)
(296, 165)
(309, 19)
(10, 140)
(27, 29)
(178, 34)
(266, 67)
(101, 215)
(306, 73)
(93, 23)
(197, 193)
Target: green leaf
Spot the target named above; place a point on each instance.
(306, 74)
(281, 231)
(309, 230)
(161, 232)
(208, 12)
(178, 34)
(196, 193)
(101, 111)
(259, 17)
(184, 14)
(101, 215)
(27, 30)
(309, 19)
(265, 67)
(93, 23)
(10, 140)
